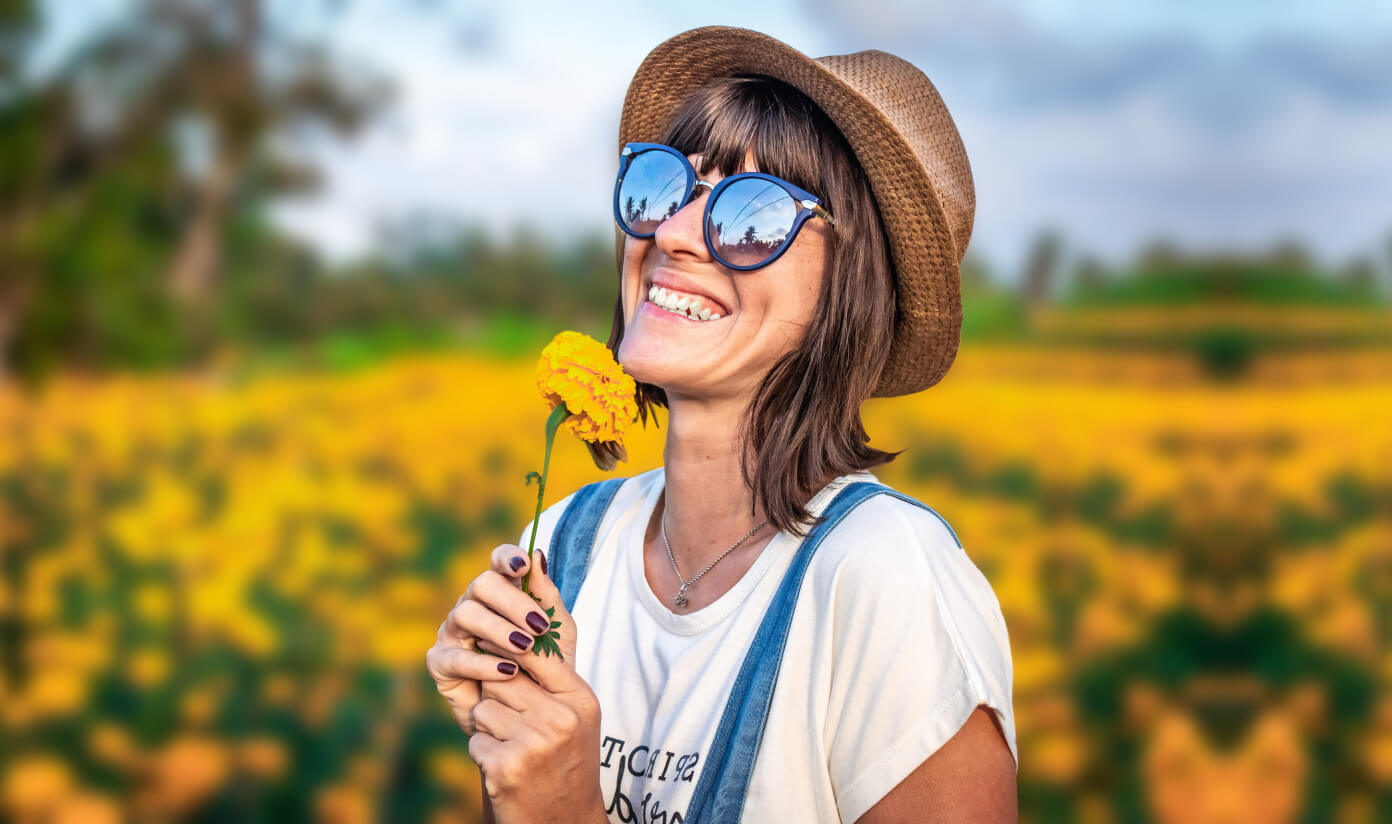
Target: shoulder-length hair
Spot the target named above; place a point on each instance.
(803, 427)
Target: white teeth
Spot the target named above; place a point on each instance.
(679, 304)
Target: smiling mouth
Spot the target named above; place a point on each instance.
(691, 307)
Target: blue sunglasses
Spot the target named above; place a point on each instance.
(750, 218)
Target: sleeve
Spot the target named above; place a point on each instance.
(919, 642)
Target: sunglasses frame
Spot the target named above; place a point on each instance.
(809, 204)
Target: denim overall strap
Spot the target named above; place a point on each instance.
(568, 556)
(720, 793)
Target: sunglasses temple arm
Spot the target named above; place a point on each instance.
(822, 212)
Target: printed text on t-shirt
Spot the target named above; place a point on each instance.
(643, 762)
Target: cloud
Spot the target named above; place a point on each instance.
(521, 131)
(1115, 123)
(1123, 131)
(1354, 74)
(995, 50)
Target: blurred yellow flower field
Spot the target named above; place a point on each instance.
(218, 592)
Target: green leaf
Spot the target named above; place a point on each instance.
(546, 643)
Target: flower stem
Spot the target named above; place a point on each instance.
(559, 414)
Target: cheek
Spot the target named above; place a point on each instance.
(795, 305)
(807, 300)
(809, 291)
(632, 278)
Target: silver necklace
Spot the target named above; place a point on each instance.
(680, 599)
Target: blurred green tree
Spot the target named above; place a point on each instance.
(121, 168)
(1042, 266)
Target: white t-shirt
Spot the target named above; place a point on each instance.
(896, 637)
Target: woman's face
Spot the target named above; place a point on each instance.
(763, 311)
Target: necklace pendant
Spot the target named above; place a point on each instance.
(680, 598)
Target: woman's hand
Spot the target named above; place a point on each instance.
(537, 738)
(474, 646)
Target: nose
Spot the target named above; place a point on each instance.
(682, 234)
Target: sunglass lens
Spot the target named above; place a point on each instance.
(750, 220)
(651, 190)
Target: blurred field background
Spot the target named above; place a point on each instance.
(256, 437)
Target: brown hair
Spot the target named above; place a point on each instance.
(803, 427)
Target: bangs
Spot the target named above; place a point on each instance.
(724, 120)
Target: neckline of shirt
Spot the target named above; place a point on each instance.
(780, 547)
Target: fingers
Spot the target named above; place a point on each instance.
(497, 719)
(451, 665)
(501, 562)
(517, 709)
(552, 664)
(460, 675)
(504, 597)
(540, 583)
(487, 633)
(521, 694)
(479, 619)
(484, 750)
(451, 633)
(510, 561)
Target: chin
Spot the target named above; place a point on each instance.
(638, 359)
(652, 361)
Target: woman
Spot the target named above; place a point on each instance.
(764, 632)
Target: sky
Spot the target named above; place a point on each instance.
(1216, 125)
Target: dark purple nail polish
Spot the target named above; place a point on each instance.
(537, 622)
(517, 562)
(543, 562)
(520, 641)
(507, 667)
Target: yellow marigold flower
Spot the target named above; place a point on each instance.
(591, 394)
(579, 371)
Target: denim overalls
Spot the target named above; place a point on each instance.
(720, 793)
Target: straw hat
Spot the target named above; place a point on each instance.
(903, 137)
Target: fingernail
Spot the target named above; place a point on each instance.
(519, 640)
(517, 562)
(543, 562)
(507, 667)
(537, 622)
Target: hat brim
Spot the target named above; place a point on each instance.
(928, 315)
